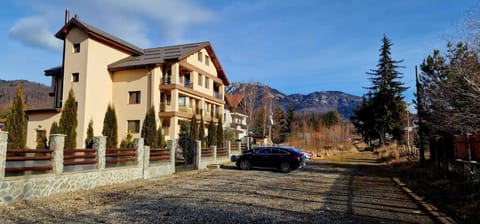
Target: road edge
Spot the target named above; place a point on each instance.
(429, 208)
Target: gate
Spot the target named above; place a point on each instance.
(185, 154)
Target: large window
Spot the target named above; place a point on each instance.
(134, 97)
(182, 101)
(207, 60)
(200, 81)
(207, 80)
(133, 126)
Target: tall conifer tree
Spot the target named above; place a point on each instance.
(16, 123)
(68, 121)
(149, 128)
(110, 128)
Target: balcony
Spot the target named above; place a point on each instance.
(218, 95)
(165, 107)
(184, 109)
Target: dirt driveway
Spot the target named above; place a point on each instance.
(343, 189)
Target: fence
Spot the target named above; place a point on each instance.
(37, 173)
(460, 154)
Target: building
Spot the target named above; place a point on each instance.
(234, 118)
(178, 81)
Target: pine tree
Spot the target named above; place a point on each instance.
(16, 123)
(160, 138)
(212, 134)
(387, 104)
(68, 121)
(89, 139)
(110, 128)
(42, 141)
(194, 128)
(54, 129)
(290, 117)
(201, 131)
(331, 119)
(149, 128)
(220, 133)
(127, 142)
(186, 142)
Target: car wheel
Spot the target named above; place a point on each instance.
(244, 165)
(285, 167)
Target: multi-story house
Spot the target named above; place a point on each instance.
(234, 118)
(178, 81)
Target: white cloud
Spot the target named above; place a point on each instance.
(33, 31)
(141, 22)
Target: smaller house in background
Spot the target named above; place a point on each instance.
(233, 116)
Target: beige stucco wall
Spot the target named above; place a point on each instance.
(98, 92)
(123, 83)
(41, 121)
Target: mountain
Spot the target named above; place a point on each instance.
(317, 102)
(35, 95)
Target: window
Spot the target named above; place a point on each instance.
(182, 101)
(133, 126)
(207, 80)
(75, 77)
(200, 56)
(200, 81)
(207, 60)
(134, 97)
(76, 48)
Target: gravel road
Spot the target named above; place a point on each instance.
(341, 189)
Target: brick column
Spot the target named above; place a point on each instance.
(57, 143)
(100, 144)
(3, 152)
(198, 155)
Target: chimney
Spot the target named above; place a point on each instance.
(76, 16)
(67, 15)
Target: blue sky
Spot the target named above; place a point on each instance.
(295, 46)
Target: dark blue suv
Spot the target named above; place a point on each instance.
(284, 158)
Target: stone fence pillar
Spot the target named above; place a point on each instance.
(57, 143)
(3, 152)
(214, 149)
(140, 152)
(100, 144)
(198, 153)
(229, 151)
(172, 146)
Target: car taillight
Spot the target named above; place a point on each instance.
(297, 156)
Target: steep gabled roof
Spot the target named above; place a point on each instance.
(234, 99)
(160, 55)
(99, 35)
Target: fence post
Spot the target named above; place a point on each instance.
(3, 152)
(198, 148)
(239, 147)
(100, 144)
(248, 143)
(172, 147)
(140, 151)
(57, 142)
(214, 149)
(229, 150)
(146, 161)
